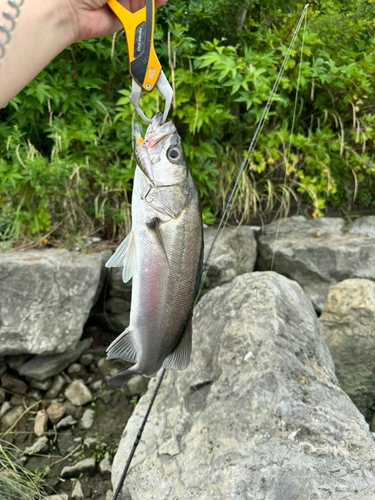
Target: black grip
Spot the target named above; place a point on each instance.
(142, 45)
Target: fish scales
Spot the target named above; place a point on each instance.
(163, 255)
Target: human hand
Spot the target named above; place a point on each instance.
(93, 18)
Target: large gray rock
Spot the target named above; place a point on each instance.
(258, 413)
(45, 299)
(234, 253)
(348, 323)
(319, 253)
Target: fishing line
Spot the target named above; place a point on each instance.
(290, 143)
(234, 192)
(218, 233)
(138, 438)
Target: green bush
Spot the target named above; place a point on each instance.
(66, 140)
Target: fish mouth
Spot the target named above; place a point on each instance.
(158, 134)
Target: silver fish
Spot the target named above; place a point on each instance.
(163, 254)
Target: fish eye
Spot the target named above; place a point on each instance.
(174, 154)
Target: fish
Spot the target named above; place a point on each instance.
(163, 254)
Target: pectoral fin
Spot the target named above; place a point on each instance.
(179, 359)
(153, 225)
(124, 256)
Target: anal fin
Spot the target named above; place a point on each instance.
(121, 378)
(179, 359)
(123, 348)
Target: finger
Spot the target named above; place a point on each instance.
(135, 5)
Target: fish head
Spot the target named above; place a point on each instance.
(160, 155)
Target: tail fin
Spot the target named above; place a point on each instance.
(123, 377)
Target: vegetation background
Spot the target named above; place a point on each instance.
(66, 162)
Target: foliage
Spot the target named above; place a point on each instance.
(66, 162)
(16, 482)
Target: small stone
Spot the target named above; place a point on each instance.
(78, 413)
(41, 422)
(66, 377)
(77, 493)
(88, 442)
(106, 396)
(95, 386)
(2, 395)
(42, 385)
(34, 394)
(11, 416)
(16, 400)
(4, 408)
(66, 422)
(17, 360)
(56, 387)
(105, 466)
(39, 446)
(55, 411)
(137, 386)
(42, 367)
(86, 466)
(62, 496)
(93, 368)
(87, 419)
(70, 409)
(78, 393)
(86, 359)
(13, 384)
(66, 442)
(104, 366)
(74, 369)
(109, 495)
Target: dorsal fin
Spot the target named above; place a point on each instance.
(179, 359)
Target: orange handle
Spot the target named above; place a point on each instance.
(144, 65)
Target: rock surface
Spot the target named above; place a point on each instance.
(348, 323)
(235, 253)
(258, 413)
(45, 299)
(43, 367)
(319, 253)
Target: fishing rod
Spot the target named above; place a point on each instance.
(12, 18)
(217, 235)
